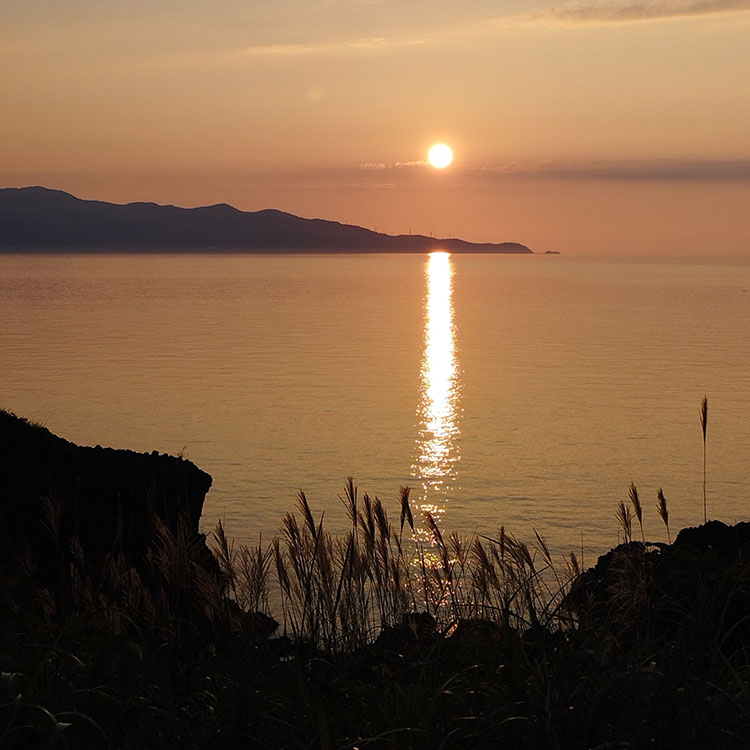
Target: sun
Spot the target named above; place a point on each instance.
(440, 155)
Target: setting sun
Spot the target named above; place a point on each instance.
(440, 155)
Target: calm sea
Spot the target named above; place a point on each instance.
(518, 391)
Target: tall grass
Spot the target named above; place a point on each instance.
(390, 636)
(703, 413)
(625, 520)
(141, 657)
(635, 501)
(663, 511)
(340, 592)
(387, 639)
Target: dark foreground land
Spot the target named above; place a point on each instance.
(127, 633)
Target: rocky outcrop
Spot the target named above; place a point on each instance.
(55, 495)
(731, 542)
(694, 590)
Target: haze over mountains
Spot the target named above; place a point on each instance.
(37, 218)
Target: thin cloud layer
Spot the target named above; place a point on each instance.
(561, 16)
(380, 165)
(710, 171)
(577, 12)
(735, 170)
(366, 44)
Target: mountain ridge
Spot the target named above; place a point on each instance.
(38, 218)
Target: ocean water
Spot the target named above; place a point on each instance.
(518, 391)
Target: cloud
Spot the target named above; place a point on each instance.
(362, 44)
(381, 166)
(677, 170)
(729, 170)
(565, 15)
(575, 13)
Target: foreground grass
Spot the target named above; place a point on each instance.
(383, 643)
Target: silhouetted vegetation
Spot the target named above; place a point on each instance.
(381, 640)
(384, 643)
(703, 412)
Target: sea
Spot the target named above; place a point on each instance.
(524, 392)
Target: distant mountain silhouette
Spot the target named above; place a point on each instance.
(37, 218)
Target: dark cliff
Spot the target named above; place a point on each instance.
(54, 494)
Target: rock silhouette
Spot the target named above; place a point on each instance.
(694, 590)
(55, 495)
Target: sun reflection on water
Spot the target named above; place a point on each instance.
(438, 431)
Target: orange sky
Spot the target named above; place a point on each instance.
(602, 128)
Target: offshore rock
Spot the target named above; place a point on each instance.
(55, 496)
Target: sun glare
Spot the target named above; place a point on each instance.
(440, 155)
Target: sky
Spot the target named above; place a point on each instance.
(592, 128)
